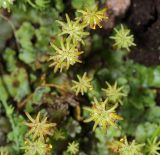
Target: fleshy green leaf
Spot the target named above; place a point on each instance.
(17, 84)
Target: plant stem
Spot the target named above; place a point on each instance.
(10, 117)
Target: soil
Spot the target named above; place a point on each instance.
(158, 97)
(143, 17)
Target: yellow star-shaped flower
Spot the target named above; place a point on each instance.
(65, 56)
(83, 84)
(93, 17)
(73, 30)
(39, 128)
(123, 38)
(102, 115)
(126, 148)
(114, 93)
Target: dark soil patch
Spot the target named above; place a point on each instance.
(158, 97)
(143, 18)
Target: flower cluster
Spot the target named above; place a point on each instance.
(73, 30)
(73, 148)
(114, 93)
(123, 147)
(93, 17)
(36, 137)
(73, 34)
(65, 56)
(3, 152)
(36, 147)
(83, 84)
(153, 146)
(102, 114)
(123, 38)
